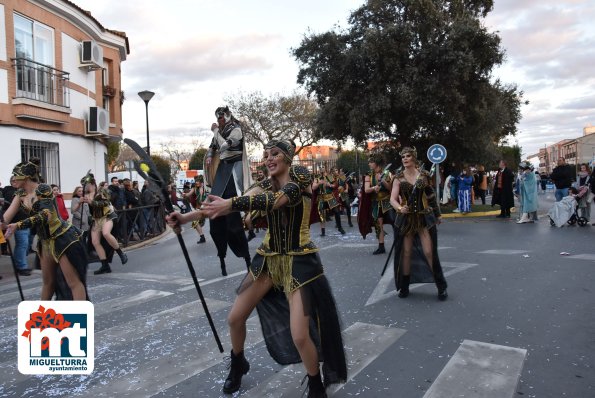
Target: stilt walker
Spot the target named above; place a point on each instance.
(231, 178)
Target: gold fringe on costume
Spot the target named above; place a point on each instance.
(280, 268)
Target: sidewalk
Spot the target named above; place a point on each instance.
(546, 201)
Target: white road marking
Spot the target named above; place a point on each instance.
(504, 251)
(583, 257)
(120, 303)
(363, 342)
(479, 370)
(385, 288)
(141, 276)
(210, 281)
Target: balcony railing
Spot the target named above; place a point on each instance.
(41, 82)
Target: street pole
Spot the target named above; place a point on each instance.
(146, 97)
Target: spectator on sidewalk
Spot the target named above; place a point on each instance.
(79, 210)
(62, 212)
(464, 192)
(116, 194)
(562, 176)
(584, 184)
(503, 194)
(482, 183)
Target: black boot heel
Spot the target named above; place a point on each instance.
(238, 367)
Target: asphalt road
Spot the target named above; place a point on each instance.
(519, 321)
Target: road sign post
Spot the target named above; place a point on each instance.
(437, 154)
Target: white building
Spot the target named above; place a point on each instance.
(60, 89)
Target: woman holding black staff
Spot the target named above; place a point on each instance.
(285, 283)
(416, 243)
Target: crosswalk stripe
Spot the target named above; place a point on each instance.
(583, 257)
(211, 281)
(386, 286)
(93, 292)
(479, 370)
(120, 303)
(504, 251)
(179, 365)
(11, 283)
(363, 342)
(141, 276)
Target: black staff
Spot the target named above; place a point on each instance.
(146, 169)
(16, 271)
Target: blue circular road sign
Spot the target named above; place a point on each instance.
(436, 153)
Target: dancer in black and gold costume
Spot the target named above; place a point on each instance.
(326, 186)
(199, 193)
(377, 184)
(344, 185)
(285, 283)
(256, 219)
(416, 242)
(103, 215)
(60, 245)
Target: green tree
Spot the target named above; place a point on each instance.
(349, 161)
(510, 154)
(412, 72)
(113, 150)
(289, 117)
(163, 166)
(197, 159)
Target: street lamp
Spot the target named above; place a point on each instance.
(146, 96)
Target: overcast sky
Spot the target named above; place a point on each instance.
(193, 53)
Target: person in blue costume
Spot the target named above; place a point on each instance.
(285, 280)
(527, 193)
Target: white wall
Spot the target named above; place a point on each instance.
(79, 105)
(71, 59)
(77, 155)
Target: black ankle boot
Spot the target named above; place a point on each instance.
(105, 268)
(202, 239)
(223, 270)
(442, 293)
(338, 223)
(404, 292)
(322, 234)
(380, 249)
(123, 256)
(315, 387)
(238, 367)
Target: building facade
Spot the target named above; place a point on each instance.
(60, 89)
(574, 151)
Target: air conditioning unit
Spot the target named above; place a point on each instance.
(98, 122)
(91, 55)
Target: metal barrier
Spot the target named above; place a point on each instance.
(139, 223)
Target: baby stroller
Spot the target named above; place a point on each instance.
(565, 212)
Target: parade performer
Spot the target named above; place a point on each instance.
(286, 283)
(416, 245)
(59, 245)
(103, 215)
(503, 194)
(464, 193)
(377, 184)
(199, 194)
(256, 219)
(528, 193)
(345, 185)
(326, 201)
(231, 179)
(26, 177)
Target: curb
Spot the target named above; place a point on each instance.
(147, 242)
(472, 214)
